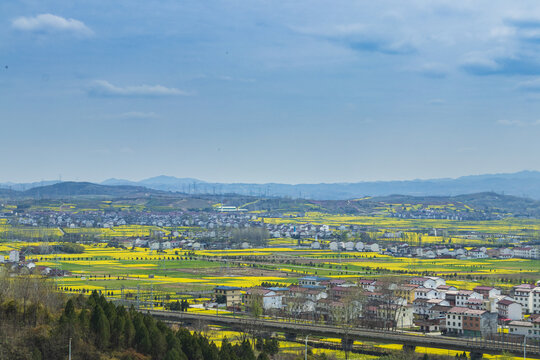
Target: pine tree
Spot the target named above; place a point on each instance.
(101, 327)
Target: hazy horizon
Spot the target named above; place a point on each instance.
(99, 181)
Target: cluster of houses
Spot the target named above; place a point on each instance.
(427, 304)
(457, 252)
(443, 213)
(108, 219)
(347, 246)
(433, 252)
(168, 244)
(201, 226)
(18, 262)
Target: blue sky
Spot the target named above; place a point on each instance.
(268, 91)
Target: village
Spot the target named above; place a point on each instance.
(425, 304)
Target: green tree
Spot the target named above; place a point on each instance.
(101, 327)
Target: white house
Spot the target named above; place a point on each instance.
(14, 256)
(463, 295)
(141, 243)
(316, 245)
(349, 246)
(459, 252)
(487, 291)
(506, 253)
(373, 247)
(367, 284)
(425, 293)
(430, 282)
(439, 281)
(454, 319)
(509, 309)
(526, 252)
(334, 246)
(492, 303)
(359, 246)
(475, 304)
(477, 254)
(535, 308)
(523, 328)
(536, 328)
(523, 294)
(311, 280)
(270, 299)
(404, 316)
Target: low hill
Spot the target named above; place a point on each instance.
(522, 184)
(484, 205)
(71, 188)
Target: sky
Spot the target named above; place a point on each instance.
(268, 91)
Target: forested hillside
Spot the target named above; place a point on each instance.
(36, 325)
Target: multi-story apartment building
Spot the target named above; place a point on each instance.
(522, 294)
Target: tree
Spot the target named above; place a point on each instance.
(101, 327)
(256, 306)
(345, 314)
(254, 236)
(271, 346)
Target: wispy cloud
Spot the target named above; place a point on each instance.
(137, 115)
(436, 102)
(433, 70)
(50, 23)
(479, 64)
(104, 88)
(524, 22)
(360, 37)
(512, 50)
(518, 123)
(237, 79)
(529, 85)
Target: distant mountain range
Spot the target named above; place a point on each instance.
(522, 184)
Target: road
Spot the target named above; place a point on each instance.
(396, 337)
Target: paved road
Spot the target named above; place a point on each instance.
(443, 342)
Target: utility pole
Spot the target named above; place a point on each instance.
(138, 297)
(306, 346)
(525, 347)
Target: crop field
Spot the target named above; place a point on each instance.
(505, 226)
(107, 268)
(177, 274)
(217, 334)
(41, 232)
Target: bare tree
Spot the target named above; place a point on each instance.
(345, 313)
(384, 308)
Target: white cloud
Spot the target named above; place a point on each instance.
(231, 78)
(530, 85)
(479, 64)
(137, 115)
(106, 89)
(518, 123)
(511, 122)
(360, 37)
(437, 102)
(50, 23)
(433, 70)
